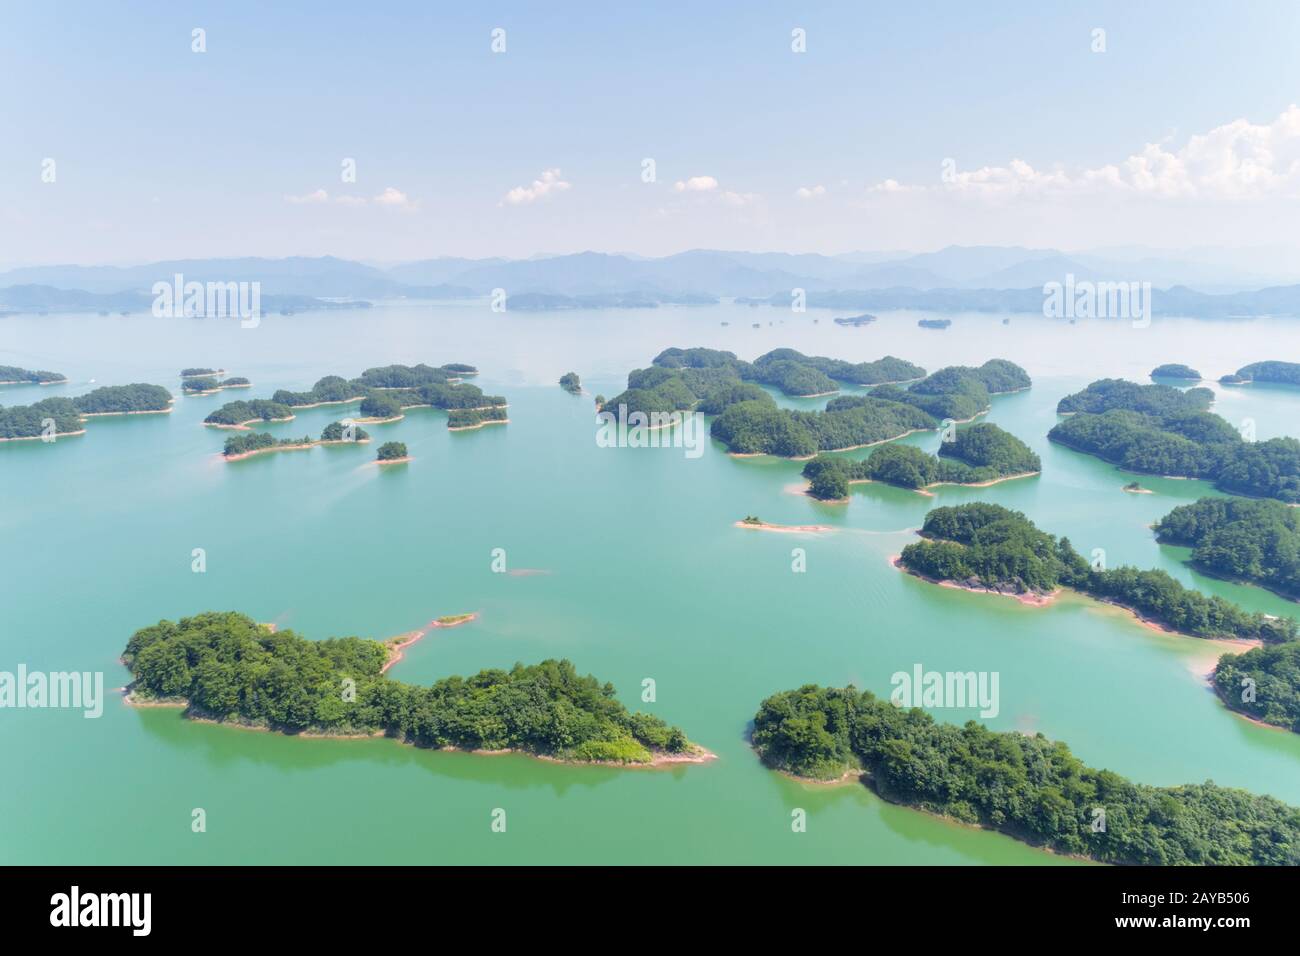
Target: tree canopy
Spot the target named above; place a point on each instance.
(227, 667)
(1030, 788)
(988, 546)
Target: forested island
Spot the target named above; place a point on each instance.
(1276, 373)
(855, 321)
(13, 375)
(1160, 430)
(1176, 371)
(978, 455)
(210, 385)
(463, 419)
(223, 666)
(19, 422)
(133, 399)
(1263, 684)
(987, 547)
(391, 452)
(570, 382)
(202, 372)
(1030, 788)
(386, 392)
(242, 413)
(254, 443)
(1241, 540)
(750, 422)
(934, 323)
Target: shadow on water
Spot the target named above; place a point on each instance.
(223, 747)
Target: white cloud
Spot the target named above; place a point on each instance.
(549, 182)
(810, 192)
(392, 197)
(1239, 160)
(696, 184)
(318, 196)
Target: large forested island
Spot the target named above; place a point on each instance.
(978, 455)
(1263, 684)
(1160, 430)
(13, 375)
(988, 547)
(223, 666)
(1030, 788)
(750, 422)
(1248, 540)
(385, 392)
(124, 400)
(1276, 373)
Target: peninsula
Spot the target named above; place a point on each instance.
(1030, 788)
(987, 547)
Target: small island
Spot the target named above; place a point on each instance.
(13, 375)
(1274, 373)
(135, 399)
(201, 372)
(985, 547)
(210, 386)
(392, 453)
(978, 456)
(1135, 488)
(203, 663)
(856, 321)
(241, 414)
(1173, 371)
(570, 382)
(239, 447)
(465, 419)
(934, 323)
(1028, 787)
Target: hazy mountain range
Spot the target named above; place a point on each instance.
(993, 278)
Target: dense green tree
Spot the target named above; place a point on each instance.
(229, 668)
(992, 547)
(119, 399)
(1030, 788)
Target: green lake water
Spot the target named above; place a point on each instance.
(624, 560)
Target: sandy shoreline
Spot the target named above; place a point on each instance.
(397, 645)
(785, 528)
(147, 411)
(470, 428)
(658, 759)
(39, 437)
(262, 451)
(243, 426)
(394, 461)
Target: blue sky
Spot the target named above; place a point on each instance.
(161, 152)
